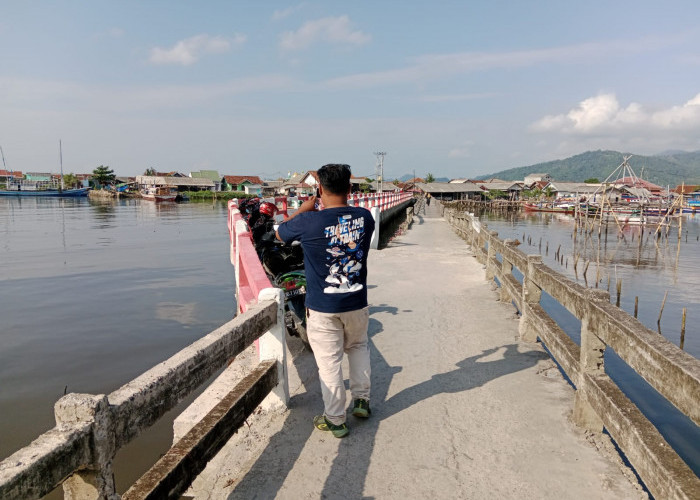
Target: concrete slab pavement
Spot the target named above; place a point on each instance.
(461, 408)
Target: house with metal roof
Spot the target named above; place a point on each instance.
(451, 191)
(211, 175)
(511, 188)
(530, 179)
(250, 184)
(301, 184)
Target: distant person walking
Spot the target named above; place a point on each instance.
(427, 200)
(336, 243)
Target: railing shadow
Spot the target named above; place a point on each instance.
(346, 479)
(267, 475)
(471, 373)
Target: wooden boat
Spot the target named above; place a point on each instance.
(158, 194)
(23, 187)
(562, 208)
(62, 193)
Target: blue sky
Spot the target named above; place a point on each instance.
(454, 88)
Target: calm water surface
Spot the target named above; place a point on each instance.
(649, 271)
(94, 294)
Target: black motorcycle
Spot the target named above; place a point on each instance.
(283, 264)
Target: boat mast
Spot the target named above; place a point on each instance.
(60, 155)
(12, 176)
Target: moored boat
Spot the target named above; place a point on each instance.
(562, 208)
(27, 188)
(158, 194)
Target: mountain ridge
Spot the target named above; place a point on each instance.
(667, 168)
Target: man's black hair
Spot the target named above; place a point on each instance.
(335, 177)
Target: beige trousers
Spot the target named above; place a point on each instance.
(331, 334)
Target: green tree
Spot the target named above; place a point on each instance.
(366, 186)
(150, 172)
(495, 194)
(70, 180)
(103, 175)
(549, 192)
(430, 178)
(592, 180)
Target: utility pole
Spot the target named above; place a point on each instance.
(380, 169)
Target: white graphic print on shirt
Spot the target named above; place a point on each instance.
(344, 260)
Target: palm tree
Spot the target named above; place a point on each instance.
(430, 178)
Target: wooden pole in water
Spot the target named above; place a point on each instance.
(683, 329)
(636, 305)
(619, 291)
(663, 303)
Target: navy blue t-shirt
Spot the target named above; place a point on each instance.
(336, 243)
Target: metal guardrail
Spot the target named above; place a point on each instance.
(599, 401)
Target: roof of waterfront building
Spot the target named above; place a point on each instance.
(637, 182)
(446, 187)
(153, 180)
(501, 185)
(15, 173)
(212, 175)
(240, 179)
(685, 189)
(574, 187)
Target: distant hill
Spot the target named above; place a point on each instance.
(668, 168)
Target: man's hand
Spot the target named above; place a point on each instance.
(308, 206)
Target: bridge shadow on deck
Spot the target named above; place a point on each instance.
(355, 451)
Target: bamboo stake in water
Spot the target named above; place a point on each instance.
(619, 291)
(683, 329)
(636, 305)
(663, 303)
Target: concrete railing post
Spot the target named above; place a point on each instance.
(97, 479)
(241, 227)
(490, 255)
(531, 296)
(506, 269)
(376, 214)
(591, 362)
(273, 345)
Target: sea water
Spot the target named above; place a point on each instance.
(660, 265)
(92, 294)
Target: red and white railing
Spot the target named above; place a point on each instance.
(250, 276)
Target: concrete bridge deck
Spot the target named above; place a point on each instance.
(461, 407)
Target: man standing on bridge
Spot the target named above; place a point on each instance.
(336, 242)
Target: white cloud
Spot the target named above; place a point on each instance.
(337, 30)
(284, 13)
(457, 97)
(459, 153)
(440, 66)
(60, 96)
(116, 32)
(190, 50)
(603, 114)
